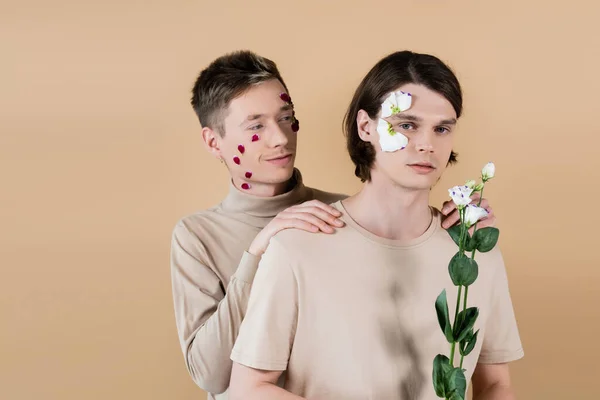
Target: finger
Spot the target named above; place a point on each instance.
(475, 197)
(484, 203)
(447, 207)
(319, 204)
(298, 224)
(322, 214)
(311, 219)
(489, 220)
(451, 219)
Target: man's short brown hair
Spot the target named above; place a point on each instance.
(226, 78)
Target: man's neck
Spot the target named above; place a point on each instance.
(261, 189)
(390, 211)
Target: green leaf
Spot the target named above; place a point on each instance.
(456, 381)
(471, 344)
(470, 243)
(441, 308)
(486, 238)
(464, 323)
(465, 342)
(441, 368)
(454, 232)
(454, 396)
(463, 270)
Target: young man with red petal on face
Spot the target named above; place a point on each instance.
(248, 123)
(351, 316)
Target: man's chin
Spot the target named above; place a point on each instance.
(279, 175)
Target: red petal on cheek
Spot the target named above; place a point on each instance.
(248, 175)
(255, 138)
(241, 149)
(245, 186)
(236, 160)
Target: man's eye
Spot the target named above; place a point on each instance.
(442, 129)
(406, 126)
(255, 127)
(286, 118)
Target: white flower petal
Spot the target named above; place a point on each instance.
(488, 171)
(403, 100)
(460, 195)
(386, 107)
(390, 143)
(473, 214)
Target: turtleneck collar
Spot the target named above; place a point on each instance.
(238, 201)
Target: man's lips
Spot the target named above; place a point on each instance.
(280, 157)
(422, 167)
(422, 164)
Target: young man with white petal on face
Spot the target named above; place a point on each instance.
(351, 315)
(249, 123)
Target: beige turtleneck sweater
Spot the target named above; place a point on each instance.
(212, 275)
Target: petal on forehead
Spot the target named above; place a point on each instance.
(386, 107)
(404, 100)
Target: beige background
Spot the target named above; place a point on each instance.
(100, 155)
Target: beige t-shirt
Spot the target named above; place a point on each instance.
(212, 276)
(352, 315)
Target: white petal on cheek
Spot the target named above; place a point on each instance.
(390, 143)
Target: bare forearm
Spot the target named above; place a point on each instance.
(265, 391)
(495, 392)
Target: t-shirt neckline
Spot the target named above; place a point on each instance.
(395, 243)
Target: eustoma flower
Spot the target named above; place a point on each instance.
(389, 139)
(474, 214)
(449, 379)
(488, 171)
(461, 195)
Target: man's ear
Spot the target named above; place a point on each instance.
(212, 142)
(363, 124)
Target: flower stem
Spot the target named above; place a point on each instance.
(464, 308)
(463, 231)
(453, 348)
(475, 225)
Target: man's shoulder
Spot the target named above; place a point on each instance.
(198, 223)
(327, 197)
(303, 245)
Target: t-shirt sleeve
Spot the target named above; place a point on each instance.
(501, 342)
(268, 329)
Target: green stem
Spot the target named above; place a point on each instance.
(464, 308)
(463, 231)
(453, 348)
(458, 298)
(475, 225)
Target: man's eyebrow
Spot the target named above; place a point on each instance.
(253, 117)
(411, 117)
(451, 121)
(407, 117)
